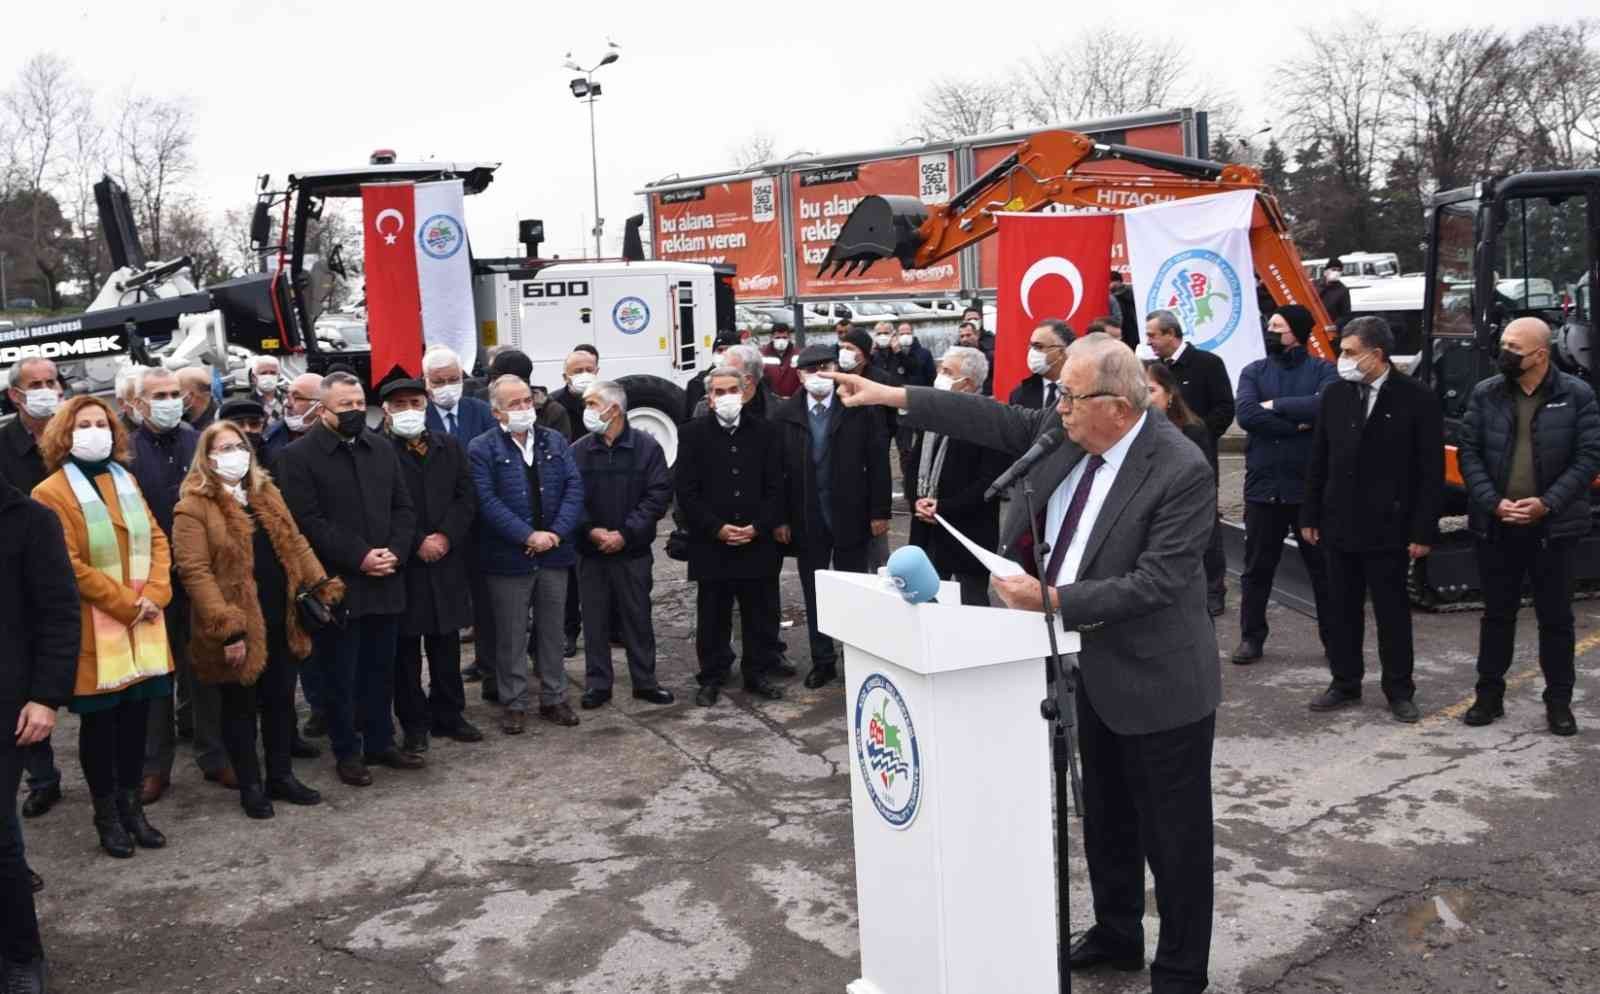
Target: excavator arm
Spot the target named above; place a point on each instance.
(1043, 170)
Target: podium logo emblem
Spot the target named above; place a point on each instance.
(886, 751)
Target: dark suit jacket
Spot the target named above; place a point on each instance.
(858, 454)
(1203, 381)
(1030, 393)
(348, 499)
(473, 418)
(733, 479)
(967, 472)
(1376, 482)
(438, 594)
(1149, 652)
(20, 461)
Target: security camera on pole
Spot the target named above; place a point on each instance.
(585, 88)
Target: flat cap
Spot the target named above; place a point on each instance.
(400, 386)
(813, 356)
(241, 407)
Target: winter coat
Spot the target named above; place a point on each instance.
(213, 536)
(1336, 301)
(1279, 440)
(626, 488)
(438, 594)
(1566, 452)
(348, 498)
(858, 457)
(505, 507)
(160, 462)
(735, 479)
(38, 607)
(94, 587)
(780, 372)
(1203, 380)
(968, 470)
(20, 461)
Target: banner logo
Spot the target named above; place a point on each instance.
(440, 236)
(1203, 289)
(886, 751)
(1052, 265)
(631, 315)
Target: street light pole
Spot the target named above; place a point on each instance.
(594, 166)
(4, 300)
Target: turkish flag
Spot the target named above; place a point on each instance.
(1051, 266)
(394, 299)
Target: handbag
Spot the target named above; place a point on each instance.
(316, 616)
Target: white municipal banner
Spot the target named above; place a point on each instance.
(444, 271)
(1192, 257)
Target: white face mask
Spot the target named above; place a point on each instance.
(231, 465)
(594, 422)
(267, 382)
(847, 359)
(166, 413)
(134, 415)
(521, 422)
(1333, 275)
(581, 382)
(301, 422)
(41, 403)
(780, 344)
(91, 444)
(906, 340)
(728, 406)
(819, 387)
(408, 424)
(943, 382)
(882, 341)
(1350, 369)
(1038, 362)
(447, 396)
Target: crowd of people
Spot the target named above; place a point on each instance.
(185, 563)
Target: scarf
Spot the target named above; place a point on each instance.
(934, 447)
(123, 655)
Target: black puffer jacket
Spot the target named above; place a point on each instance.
(1566, 451)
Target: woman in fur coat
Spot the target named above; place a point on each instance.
(242, 559)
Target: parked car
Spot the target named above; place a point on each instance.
(23, 304)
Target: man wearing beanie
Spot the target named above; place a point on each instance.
(1277, 405)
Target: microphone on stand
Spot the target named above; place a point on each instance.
(1042, 446)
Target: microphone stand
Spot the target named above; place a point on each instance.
(1059, 708)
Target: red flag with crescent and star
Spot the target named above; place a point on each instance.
(394, 297)
(1051, 266)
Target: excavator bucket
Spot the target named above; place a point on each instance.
(879, 228)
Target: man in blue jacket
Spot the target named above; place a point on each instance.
(1277, 405)
(1529, 447)
(530, 500)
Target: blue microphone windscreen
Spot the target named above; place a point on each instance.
(913, 575)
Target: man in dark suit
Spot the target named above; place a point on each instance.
(1129, 503)
(462, 418)
(438, 604)
(1203, 381)
(730, 487)
(343, 484)
(1372, 505)
(949, 478)
(1529, 447)
(835, 489)
(1047, 353)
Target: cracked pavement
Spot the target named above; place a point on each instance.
(682, 850)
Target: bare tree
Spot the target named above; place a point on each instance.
(1558, 94)
(1457, 92)
(954, 108)
(1106, 72)
(86, 149)
(43, 107)
(155, 145)
(758, 148)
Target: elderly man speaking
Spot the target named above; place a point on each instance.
(1128, 511)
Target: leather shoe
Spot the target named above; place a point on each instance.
(316, 725)
(1333, 699)
(415, 742)
(491, 694)
(558, 714)
(1216, 603)
(255, 803)
(1560, 719)
(395, 759)
(290, 789)
(35, 882)
(1484, 711)
(1404, 709)
(1088, 952)
(784, 668)
(592, 699)
(569, 648)
(1247, 652)
(472, 674)
(767, 689)
(301, 749)
(151, 788)
(706, 695)
(461, 730)
(654, 695)
(514, 722)
(224, 777)
(354, 772)
(821, 676)
(40, 800)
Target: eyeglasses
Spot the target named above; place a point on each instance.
(1069, 399)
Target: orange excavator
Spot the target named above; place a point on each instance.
(1056, 167)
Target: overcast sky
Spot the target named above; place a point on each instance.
(297, 86)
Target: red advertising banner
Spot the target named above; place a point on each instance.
(1051, 266)
(823, 199)
(734, 222)
(1156, 138)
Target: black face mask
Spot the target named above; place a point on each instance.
(256, 440)
(1510, 364)
(1275, 345)
(351, 422)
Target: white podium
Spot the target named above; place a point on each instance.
(950, 790)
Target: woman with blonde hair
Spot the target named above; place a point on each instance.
(122, 564)
(243, 560)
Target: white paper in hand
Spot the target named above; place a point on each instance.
(996, 564)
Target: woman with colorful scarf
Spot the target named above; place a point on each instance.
(122, 564)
